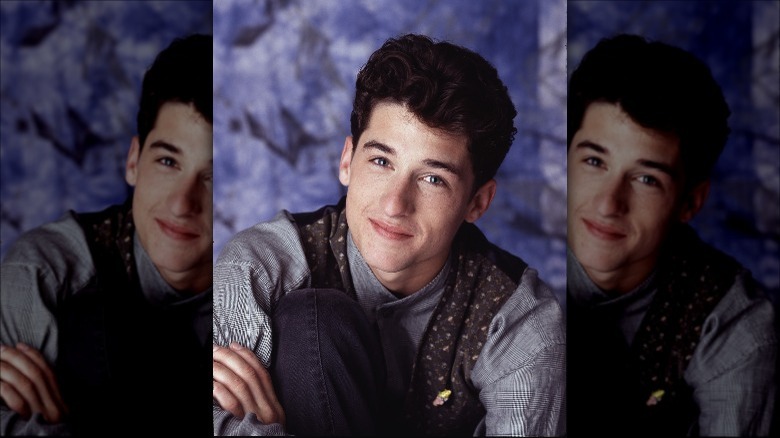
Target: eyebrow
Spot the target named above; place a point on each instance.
(663, 167)
(436, 164)
(165, 145)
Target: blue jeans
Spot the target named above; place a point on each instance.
(328, 369)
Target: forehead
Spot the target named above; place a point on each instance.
(393, 123)
(182, 126)
(607, 125)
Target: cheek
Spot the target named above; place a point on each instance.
(442, 228)
(654, 217)
(577, 194)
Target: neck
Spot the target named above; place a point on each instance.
(402, 285)
(623, 281)
(192, 282)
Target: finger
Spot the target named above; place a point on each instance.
(30, 362)
(262, 386)
(52, 397)
(18, 381)
(227, 400)
(232, 374)
(248, 381)
(14, 400)
(266, 383)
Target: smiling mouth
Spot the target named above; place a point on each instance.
(176, 232)
(388, 231)
(603, 232)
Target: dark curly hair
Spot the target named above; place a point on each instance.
(446, 87)
(660, 87)
(182, 72)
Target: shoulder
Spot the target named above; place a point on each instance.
(532, 315)
(744, 316)
(741, 328)
(527, 332)
(265, 259)
(58, 249)
(273, 244)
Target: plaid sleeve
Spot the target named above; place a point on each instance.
(253, 271)
(521, 372)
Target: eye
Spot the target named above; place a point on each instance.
(435, 180)
(167, 161)
(649, 180)
(593, 161)
(380, 161)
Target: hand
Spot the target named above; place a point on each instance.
(28, 385)
(242, 385)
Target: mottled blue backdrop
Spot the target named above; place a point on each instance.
(740, 41)
(284, 75)
(70, 81)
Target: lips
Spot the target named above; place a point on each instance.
(390, 232)
(602, 231)
(177, 232)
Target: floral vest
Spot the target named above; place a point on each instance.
(639, 389)
(483, 277)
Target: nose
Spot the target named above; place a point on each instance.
(185, 199)
(612, 200)
(398, 198)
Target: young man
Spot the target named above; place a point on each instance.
(390, 312)
(668, 336)
(105, 316)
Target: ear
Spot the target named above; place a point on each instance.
(481, 201)
(131, 166)
(346, 160)
(694, 201)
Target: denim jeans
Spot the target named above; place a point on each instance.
(328, 368)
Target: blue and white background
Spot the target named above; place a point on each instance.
(284, 77)
(70, 82)
(284, 71)
(740, 41)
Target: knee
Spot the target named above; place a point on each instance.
(298, 302)
(320, 309)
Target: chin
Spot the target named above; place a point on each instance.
(175, 261)
(600, 261)
(385, 263)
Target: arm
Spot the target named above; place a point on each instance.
(521, 371)
(740, 402)
(530, 401)
(238, 320)
(733, 368)
(41, 267)
(251, 273)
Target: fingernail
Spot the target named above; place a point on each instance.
(235, 345)
(22, 346)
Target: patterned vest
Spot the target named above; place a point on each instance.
(692, 278)
(122, 363)
(483, 277)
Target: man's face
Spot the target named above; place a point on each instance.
(625, 185)
(410, 189)
(172, 203)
